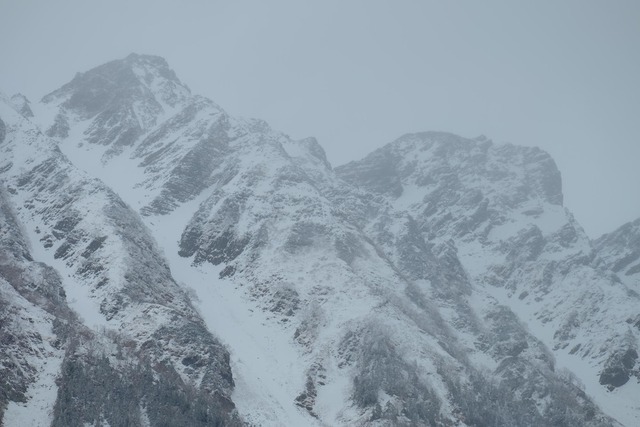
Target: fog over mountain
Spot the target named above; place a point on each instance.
(163, 262)
(357, 74)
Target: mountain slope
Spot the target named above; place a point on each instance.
(132, 313)
(500, 208)
(438, 281)
(270, 212)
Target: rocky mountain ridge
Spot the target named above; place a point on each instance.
(438, 281)
(92, 247)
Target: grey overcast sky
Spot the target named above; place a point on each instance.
(356, 74)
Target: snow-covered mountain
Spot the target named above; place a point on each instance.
(82, 263)
(500, 208)
(163, 263)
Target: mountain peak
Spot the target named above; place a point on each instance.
(429, 159)
(123, 80)
(135, 92)
(152, 65)
(151, 59)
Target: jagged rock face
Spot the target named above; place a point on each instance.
(122, 100)
(133, 314)
(193, 162)
(31, 302)
(498, 208)
(440, 175)
(435, 282)
(271, 217)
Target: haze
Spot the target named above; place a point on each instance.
(559, 75)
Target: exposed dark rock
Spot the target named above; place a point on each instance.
(94, 246)
(228, 271)
(285, 301)
(222, 248)
(619, 368)
(307, 398)
(3, 132)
